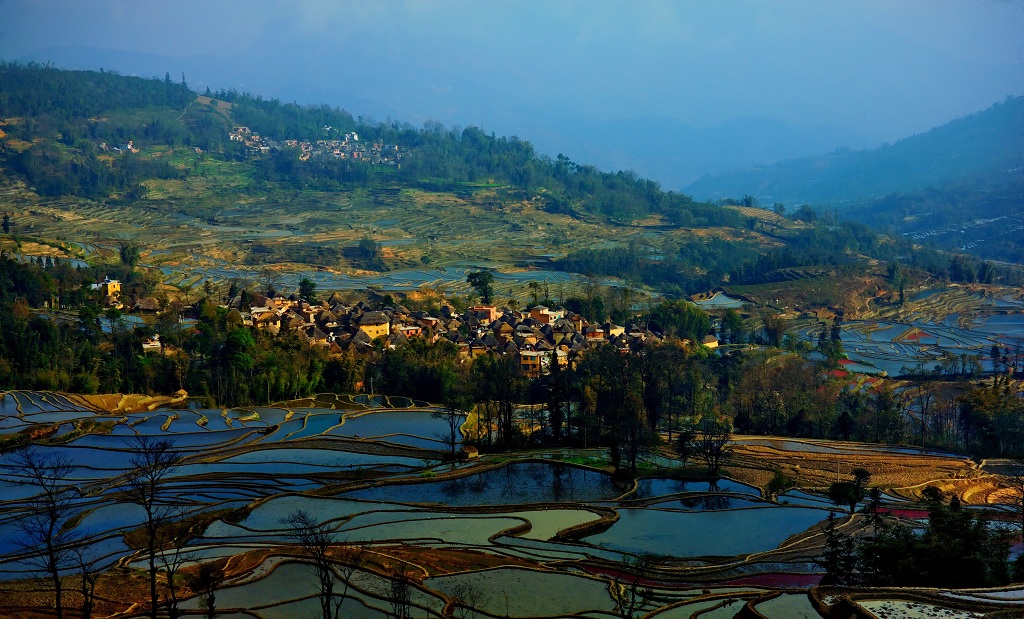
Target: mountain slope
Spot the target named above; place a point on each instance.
(987, 142)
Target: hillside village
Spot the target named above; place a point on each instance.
(347, 147)
(537, 336)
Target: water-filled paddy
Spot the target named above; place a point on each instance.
(310, 607)
(286, 582)
(686, 518)
(527, 593)
(707, 502)
(788, 606)
(429, 527)
(319, 457)
(421, 424)
(267, 517)
(717, 533)
(516, 483)
(660, 486)
(547, 523)
(913, 610)
(314, 424)
(720, 301)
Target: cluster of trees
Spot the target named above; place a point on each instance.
(603, 397)
(959, 547)
(54, 543)
(661, 384)
(953, 213)
(85, 349)
(52, 172)
(689, 268)
(76, 111)
(699, 265)
(44, 91)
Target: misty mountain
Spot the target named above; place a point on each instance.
(988, 142)
(661, 148)
(675, 153)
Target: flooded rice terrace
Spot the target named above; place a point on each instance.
(515, 537)
(936, 327)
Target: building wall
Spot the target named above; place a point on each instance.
(375, 331)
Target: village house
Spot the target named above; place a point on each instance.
(108, 287)
(536, 338)
(374, 324)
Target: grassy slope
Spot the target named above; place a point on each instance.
(220, 215)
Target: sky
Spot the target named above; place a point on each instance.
(591, 78)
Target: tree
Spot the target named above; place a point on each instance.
(307, 290)
(46, 523)
(686, 442)
(633, 438)
(774, 328)
(839, 555)
(151, 463)
(483, 282)
(270, 279)
(205, 581)
(88, 575)
(401, 595)
(7, 223)
(129, 253)
(714, 436)
(173, 537)
(466, 597)
(499, 382)
(850, 493)
(732, 326)
(680, 318)
(628, 590)
(456, 398)
(316, 540)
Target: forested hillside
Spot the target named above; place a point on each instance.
(112, 139)
(983, 217)
(985, 143)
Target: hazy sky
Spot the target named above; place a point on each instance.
(884, 69)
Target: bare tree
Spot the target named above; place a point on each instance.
(151, 462)
(47, 535)
(171, 540)
(456, 398)
(317, 539)
(88, 575)
(271, 280)
(710, 445)
(629, 590)
(401, 595)
(466, 598)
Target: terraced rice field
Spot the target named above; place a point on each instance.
(515, 537)
(204, 229)
(933, 327)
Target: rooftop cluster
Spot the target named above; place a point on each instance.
(537, 336)
(347, 146)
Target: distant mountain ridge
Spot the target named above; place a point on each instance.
(991, 141)
(676, 153)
